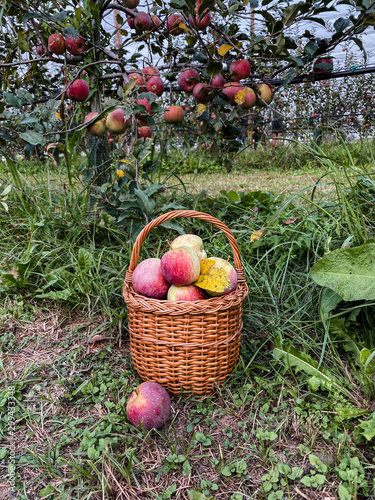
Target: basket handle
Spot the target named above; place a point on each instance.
(184, 213)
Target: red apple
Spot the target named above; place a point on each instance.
(155, 21)
(116, 121)
(174, 114)
(230, 90)
(192, 241)
(79, 90)
(201, 92)
(40, 50)
(250, 99)
(265, 94)
(131, 20)
(149, 72)
(143, 132)
(142, 21)
(239, 70)
(155, 84)
(217, 81)
(199, 22)
(188, 79)
(327, 61)
(147, 279)
(75, 47)
(130, 4)
(173, 24)
(180, 266)
(188, 293)
(230, 273)
(149, 406)
(139, 80)
(98, 128)
(147, 105)
(56, 43)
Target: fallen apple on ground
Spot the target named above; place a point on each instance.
(149, 406)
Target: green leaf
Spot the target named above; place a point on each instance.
(146, 204)
(71, 33)
(55, 295)
(214, 68)
(350, 272)
(289, 14)
(328, 301)
(85, 259)
(341, 23)
(92, 453)
(28, 119)
(317, 463)
(344, 493)
(302, 361)
(33, 138)
(310, 48)
(12, 100)
(3, 453)
(44, 492)
(227, 470)
(186, 468)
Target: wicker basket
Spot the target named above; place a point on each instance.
(185, 346)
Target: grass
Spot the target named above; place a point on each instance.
(270, 432)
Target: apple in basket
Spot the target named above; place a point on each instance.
(192, 241)
(149, 406)
(147, 279)
(218, 277)
(188, 293)
(180, 266)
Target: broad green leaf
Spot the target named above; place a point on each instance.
(328, 302)
(12, 100)
(85, 259)
(302, 361)
(344, 493)
(290, 13)
(310, 48)
(367, 428)
(33, 138)
(146, 204)
(341, 23)
(350, 272)
(317, 463)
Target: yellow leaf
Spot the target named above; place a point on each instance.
(224, 49)
(256, 235)
(57, 114)
(201, 108)
(240, 96)
(213, 279)
(183, 26)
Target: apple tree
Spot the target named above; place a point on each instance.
(124, 79)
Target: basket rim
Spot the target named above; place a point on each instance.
(177, 308)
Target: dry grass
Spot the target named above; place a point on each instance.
(256, 180)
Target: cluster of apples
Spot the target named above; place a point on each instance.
(57, 44)
(184, 273)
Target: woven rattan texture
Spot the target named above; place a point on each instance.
(185, 346)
